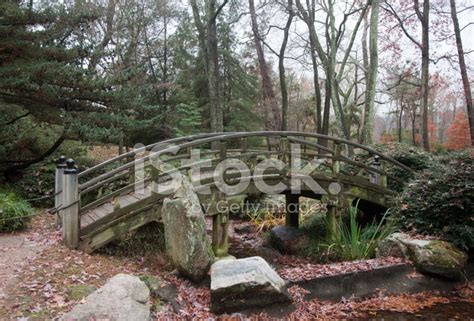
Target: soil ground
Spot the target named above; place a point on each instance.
(38, 273)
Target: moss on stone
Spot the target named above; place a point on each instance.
(152, 282)
(446, 254)
(79, 291)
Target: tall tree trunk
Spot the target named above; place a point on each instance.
(308, 17)
(400, 117)
(462, 66)
(317, 88)
(281, 69)
(272, 121)
(207, 36)
(217, 121)
(368, 129)
(425, 69)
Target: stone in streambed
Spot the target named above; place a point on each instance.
(245, 283)
(124, 297)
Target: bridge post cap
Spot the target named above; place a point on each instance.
(376, 160)
(70, 167)
(61, 162)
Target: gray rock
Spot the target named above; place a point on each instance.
(244, 228)
(245, 283)
(123, 297)
(185, 233)
(434, 257)
(287, 239)
(392, 246)
(438, 258)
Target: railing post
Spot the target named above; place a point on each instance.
(332, 215)
(222, 150)
(243, 145)
(376, 177)
(336, 164)
(220, 227)
(131, 175)
(70, 213)
(58, 189)
(383, 178)
(292, 205)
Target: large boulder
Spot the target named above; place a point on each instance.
(438, 258)
(123, 297)
(429, 256)
(185, 233)
(245, 283)
(288, 239)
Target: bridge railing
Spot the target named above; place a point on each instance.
(115, 177)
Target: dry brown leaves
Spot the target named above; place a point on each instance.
(294, 269)
(42, 292)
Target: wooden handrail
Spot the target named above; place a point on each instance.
(186, 143)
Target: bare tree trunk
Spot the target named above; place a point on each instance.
(208, 44)
(317, 88)
(365, 61)
(308, 17)
(281, 69)
(273, 121)
(400, 117)
(425, 69)
(462, 66)
(368, 129)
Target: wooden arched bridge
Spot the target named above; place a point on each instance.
(121, 194)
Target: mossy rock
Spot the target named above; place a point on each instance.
(433, 257)
(437, 258)
(161, 292)
(152, 282)
(79, 291)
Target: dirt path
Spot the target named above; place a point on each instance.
(16, 250)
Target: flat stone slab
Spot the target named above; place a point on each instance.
(124, 297)
(245, 283)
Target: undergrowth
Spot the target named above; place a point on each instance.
(14, 212)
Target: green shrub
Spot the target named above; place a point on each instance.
(354, 242)
(413, 157)
(440, 201)
(14, 212)
(37, 180)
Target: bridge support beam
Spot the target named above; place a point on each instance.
(332, 216)
(292, 217)
(220, 228)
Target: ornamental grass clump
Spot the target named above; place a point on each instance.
(355, 242)
(14, 212)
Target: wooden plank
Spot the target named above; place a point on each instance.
(127, 200)
(104, 210)
(92, 214)
(86, 220)
(120, 227)
(117, 213)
